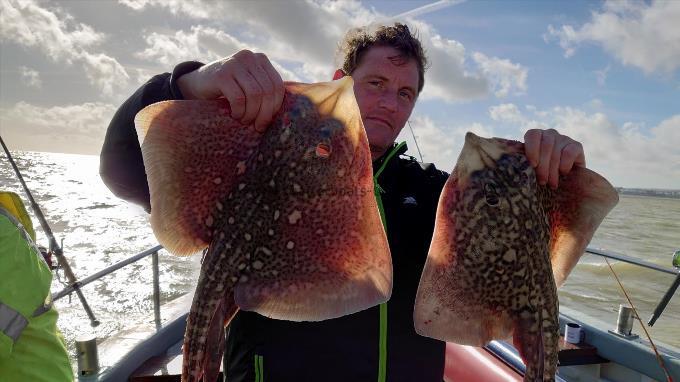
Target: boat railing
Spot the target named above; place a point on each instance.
(645, 264)
(153, 252)
(632, 260)
(502, 349)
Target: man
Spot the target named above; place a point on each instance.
(31, 347)
(387, 65)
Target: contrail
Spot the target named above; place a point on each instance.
(437, 5)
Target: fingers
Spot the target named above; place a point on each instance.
(567, 153)
(546, 155)
(233, 92)
(268, 107)
(278, 90)
(262, 87)
(532, 145)
(552, 154)
(554, 167)
(253, 94)
(572, 155)
(248, 81)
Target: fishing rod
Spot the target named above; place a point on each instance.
(415, 140)
(659, 359)
(54, 247)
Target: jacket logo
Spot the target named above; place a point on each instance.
(409, 201)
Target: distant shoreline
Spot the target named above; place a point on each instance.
(668, 194)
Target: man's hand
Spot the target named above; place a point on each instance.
(247, 80)
(552, 154)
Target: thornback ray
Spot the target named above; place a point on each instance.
(293, 231)
(501, 246)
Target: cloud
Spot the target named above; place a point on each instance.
(596, 103)
(436, 143)
(503, 74)
(439, 144)
(447, 78)
(427, 8)
(104, 72)
(199, 44)
(303, 33)
(194, 8)
(623, 153)
(639, 34)
(56, 34)
(278, 28)
(30, 77)
(602, 75)
(88, 119)
(282, 31)
(626, 152)
(142, 75)
(506, 112)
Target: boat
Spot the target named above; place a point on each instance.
(608, 352)
(152, 352)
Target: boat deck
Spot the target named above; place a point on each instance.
(460, 361)
(162, 368)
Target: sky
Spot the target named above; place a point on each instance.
(604, 73)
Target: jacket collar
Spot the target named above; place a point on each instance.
(386, 163)
(385, 159)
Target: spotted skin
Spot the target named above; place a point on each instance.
(297, 234)
(177, 171)
(489, 271)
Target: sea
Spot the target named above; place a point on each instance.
(98, 229)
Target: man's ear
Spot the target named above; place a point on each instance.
(338, 74)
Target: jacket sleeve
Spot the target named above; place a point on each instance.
(121, 166)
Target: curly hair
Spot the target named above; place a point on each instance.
(358, 41)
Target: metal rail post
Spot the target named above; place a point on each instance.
(156, 291)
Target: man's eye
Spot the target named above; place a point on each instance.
(405, 95)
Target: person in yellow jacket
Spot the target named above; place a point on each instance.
(31, 347)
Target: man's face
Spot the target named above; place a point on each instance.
(385, 87)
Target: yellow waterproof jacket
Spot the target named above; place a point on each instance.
(31, 348)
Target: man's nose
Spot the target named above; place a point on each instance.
(388, 101)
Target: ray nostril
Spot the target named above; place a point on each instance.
(323, 150)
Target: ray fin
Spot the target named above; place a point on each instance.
(583, 198)
(460, 319)
(193, 152)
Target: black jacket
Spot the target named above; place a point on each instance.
(342, 349)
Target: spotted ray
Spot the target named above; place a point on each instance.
(289, 216)
(501, 246)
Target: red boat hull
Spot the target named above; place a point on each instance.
(473, 364)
